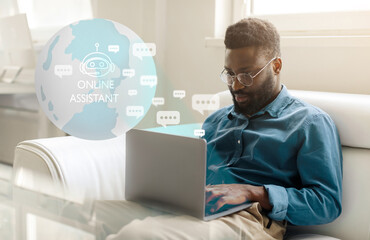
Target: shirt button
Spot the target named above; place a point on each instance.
(238, 141)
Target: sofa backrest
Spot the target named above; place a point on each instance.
(351, 114)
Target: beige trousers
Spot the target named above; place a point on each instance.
(128, 220)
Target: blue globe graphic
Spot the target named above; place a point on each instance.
(91, 83)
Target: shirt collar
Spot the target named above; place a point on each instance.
(274, 108)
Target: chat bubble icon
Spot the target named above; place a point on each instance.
(199, 132)
(132, 92)
(129, 72)
(135, 111)
(63, 70)
(205, 102)
(165, 118)
(179, 94)
(113, 48)
(148, 80)
(141, 50)
(158, 101)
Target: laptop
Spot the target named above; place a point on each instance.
(169, 172)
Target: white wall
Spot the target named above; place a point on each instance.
(327, 64)
(183, 62)
(180, 27)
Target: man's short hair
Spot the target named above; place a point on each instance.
(254, 32)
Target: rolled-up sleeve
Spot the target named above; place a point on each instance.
(319, 163)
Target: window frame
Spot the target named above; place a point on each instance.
(321, 24)
(330, 29)
(300, 24)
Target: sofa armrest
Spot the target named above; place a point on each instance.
(72, 168)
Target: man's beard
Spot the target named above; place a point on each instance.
(256, 100)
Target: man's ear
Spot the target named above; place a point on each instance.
(276, 65)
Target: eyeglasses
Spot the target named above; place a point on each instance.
(244, 78)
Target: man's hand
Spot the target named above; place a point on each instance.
(235, 194)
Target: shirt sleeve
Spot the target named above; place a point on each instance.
(319, 163)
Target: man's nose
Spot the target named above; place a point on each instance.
(237, 85)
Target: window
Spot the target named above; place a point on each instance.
(46, 17)
(314, 17)
(267, 7)
(46, 13)
(8, 7)
(299, 17)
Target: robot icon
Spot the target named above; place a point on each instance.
(96, 64)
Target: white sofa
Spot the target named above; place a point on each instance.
(72, 168)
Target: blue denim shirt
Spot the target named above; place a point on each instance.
(290, 147)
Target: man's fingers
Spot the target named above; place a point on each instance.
(215, 187)
(219, 204)
(215, 191)
(212, 195)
